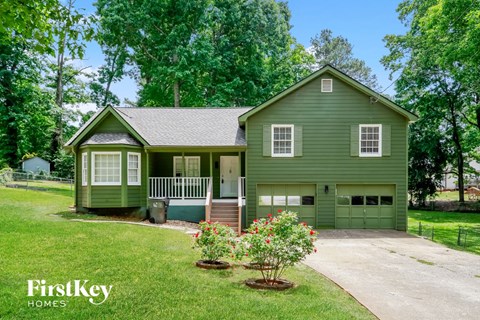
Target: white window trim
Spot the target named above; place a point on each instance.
(93, 169)
(283, 155)
(331, 85)
(139, 172)
(370, 155)
(185, 164)
(84, 169)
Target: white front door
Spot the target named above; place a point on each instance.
(229, 173)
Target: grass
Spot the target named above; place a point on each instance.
(446, 226)
(60, 188)
(152, 272)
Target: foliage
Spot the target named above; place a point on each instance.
(278, 243)
(25, 119)
(427, 152)
(201, 53)
(214, 240)
(338, 52)
(64, 165)
(432, 89)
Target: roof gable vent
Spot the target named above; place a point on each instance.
(327, 85)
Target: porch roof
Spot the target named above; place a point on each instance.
(198, 127)
(111, 138)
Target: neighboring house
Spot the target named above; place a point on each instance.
(36, 165)
(328, 148)
(450, 181)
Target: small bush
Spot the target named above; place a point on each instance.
(214, 240)
(278, 243)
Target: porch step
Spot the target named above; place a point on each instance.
(225, 213)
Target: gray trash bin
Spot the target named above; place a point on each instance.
(158, 209)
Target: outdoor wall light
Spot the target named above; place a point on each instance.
(326, 189)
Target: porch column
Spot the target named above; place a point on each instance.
(211, 165)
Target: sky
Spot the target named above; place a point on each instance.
(363, 23)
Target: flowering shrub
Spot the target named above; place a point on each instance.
(214, 240)
(278, 243)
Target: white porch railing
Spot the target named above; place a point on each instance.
(241, 187)
(208, 201)
(241, 196)
(178, 187)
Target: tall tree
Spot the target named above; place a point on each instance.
(25, 121)
(338, 52)
(205, 53)
(431, 89)
(72, 30)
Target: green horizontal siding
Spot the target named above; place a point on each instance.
(326, 120)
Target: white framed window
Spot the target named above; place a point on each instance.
(84, 169)
(370, 143)
(282, 140)
(134, 168)
(327, 85)
(106, 168)
(192, 166)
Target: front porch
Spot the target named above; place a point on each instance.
(199, 186)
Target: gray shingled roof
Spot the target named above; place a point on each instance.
(212, 127)
(111, 138)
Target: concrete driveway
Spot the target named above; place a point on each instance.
(398, 276)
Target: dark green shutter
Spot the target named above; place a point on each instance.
(298, 143)
(267, 140)
(386, 140)
(354, 140)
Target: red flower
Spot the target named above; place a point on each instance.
(255, 221)
(266, 222)
(315, 250)
(207, 229)
(279, 210)
(256, 230)
(209, 222)
(246, 254)
(312, 232)
(269, 215)
(202, 221)
(268, 240)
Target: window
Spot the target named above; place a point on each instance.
(327, 85)
(293, 200)
(84, 169)
(343, 200)
(357, 201)
(372, 200)
(106, 168)
(282, 140)
(134, 163)
(308, 200)
(265, 200)
(370, 140)
(279, 200)
(386, 200)
(192, 166)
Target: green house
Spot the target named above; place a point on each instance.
(328, 148)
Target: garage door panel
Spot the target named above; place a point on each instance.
(300, 198)
(365, 206)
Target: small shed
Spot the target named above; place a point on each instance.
(36, 165)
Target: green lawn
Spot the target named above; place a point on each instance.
(152, 272)
(446, 226)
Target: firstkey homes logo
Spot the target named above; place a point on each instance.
(96, 294)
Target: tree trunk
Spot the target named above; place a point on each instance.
(176, 86)
(459, 154)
